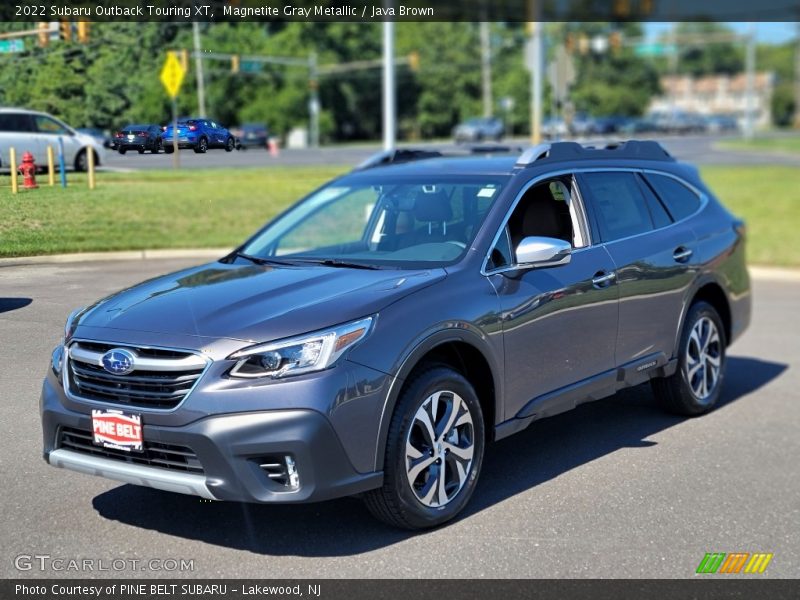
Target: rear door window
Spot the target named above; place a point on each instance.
(679, 199)
(16, 122)
(661, 217)
(619, 205)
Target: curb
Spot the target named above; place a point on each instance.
(759, 272)
(123, 255)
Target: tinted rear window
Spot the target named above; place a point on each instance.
(679, 199)
(621, 208)
(660, 215)
(15, 122)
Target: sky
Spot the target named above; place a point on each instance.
(776, 33)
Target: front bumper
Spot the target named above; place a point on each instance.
(231, 449)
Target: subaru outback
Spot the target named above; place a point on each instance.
(373, 338)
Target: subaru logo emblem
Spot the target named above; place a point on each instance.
(118, 361)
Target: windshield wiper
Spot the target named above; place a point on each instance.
(264, 261)
(335, 262)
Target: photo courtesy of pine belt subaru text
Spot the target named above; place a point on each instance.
(375, 337)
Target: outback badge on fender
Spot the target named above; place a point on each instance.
(118, 361)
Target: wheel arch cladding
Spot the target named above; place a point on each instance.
(713, 294)
(465, 358)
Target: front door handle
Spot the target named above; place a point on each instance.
(682, 254)
(602, 279)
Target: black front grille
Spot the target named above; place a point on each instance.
(158, 389)
(155, 454)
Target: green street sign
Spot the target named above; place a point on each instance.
(11, 46)
(655, 49)
(249, 66)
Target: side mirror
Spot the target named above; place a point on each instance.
(542, 252)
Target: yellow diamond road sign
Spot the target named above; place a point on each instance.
(172, 74)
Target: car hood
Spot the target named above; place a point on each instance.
(253, 303)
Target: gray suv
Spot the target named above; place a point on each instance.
(373, 338)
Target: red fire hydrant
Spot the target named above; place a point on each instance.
(28, 170)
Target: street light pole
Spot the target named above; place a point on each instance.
(389, 107)
(486, 69)
(536, 82)
(198, 63)
(750, 64)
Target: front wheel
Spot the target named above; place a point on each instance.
(122, 150)
(695, 387)
(434, 452)
(169, 149)
(229, 145)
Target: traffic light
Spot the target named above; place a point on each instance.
(413, 60)
(83, 32)
(235, 63)
(43, 33)
(583, 44)
(65, 31)
(615, 41)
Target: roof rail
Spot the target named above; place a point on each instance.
(404, 155)
(632, 149)
(398, 155)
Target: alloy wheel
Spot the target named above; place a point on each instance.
(439, 448)
(703, 358)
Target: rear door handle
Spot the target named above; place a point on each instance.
(602, 279)
(682, 254)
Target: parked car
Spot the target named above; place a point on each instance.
(610, 124)
(373, 338)
(33, 131)
(554, 128)
(582, 124)
(199, 135)
(721, 124)
(479, 130)
(99, 135)
(252, 135)
(139, 138)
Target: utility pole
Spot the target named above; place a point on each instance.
(797, 79)
(389, 120)
(535, 49)
(750, 66)
(198, 62)
(313, 102)
(486, 69)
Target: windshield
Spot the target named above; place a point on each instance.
(406, 223)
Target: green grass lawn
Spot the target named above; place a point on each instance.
(784, 145)
(149, 209)
(219, 208)
(768, 198)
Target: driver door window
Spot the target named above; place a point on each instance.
(547, 209)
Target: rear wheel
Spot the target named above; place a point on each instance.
(695, 387)
(434, 452)
(157, 145)
(169, 148)
(140, 150)
(202, 146)
(122, 150)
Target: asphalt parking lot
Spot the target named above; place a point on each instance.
(613, 489)
(698, 149)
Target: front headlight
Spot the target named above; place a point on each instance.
(304, 354)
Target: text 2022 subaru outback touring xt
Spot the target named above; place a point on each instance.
(375, 336)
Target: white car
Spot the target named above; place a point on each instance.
(32, 131)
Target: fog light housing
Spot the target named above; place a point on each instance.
(282, 471)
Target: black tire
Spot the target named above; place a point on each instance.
(82, 162)
(169, 149)
(122, 150)
(229, 145)
(140, 150)
(395, 502)
(202, 146)
(676, 393)
(157, 146)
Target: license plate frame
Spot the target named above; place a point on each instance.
(117, 430)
